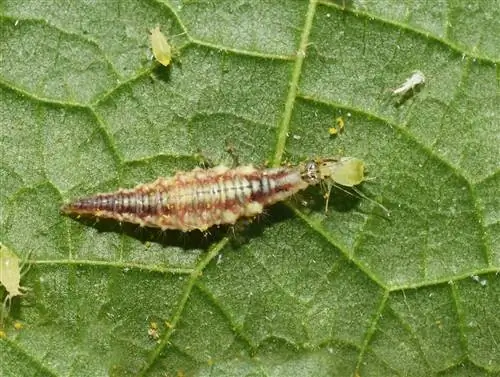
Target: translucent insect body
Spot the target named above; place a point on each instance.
(202, 198)
(162, 50)
(416, 79)
(10, 275)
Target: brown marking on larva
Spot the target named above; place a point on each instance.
(195, 200)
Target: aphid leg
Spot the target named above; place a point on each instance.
(5, 308)
(231, 150)
(327, 195)
(358, 192)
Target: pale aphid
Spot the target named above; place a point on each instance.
(162, 50)
(343, 171)
(10, 275)
(153, 331)
(416, 79)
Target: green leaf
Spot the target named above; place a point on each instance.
(353, 292)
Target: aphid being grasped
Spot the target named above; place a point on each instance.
(342, 171)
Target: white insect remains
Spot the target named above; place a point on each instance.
(10, 276)
(415, 80)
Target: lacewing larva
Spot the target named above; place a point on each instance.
(162, 50)
(202, 198)
(198, 199)
(10, 275)
(416, 79)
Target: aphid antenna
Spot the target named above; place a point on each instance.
(148, 31)
(330, 185)
(26, 265)
(380, 205)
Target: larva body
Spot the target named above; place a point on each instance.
(198, 199)
(10, 274)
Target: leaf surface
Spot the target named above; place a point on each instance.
(353, 292)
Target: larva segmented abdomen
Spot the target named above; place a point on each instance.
(195, 200)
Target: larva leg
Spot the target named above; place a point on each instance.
(239, 231)
(231, 150)
(327, 196)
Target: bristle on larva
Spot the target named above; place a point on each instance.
(193, 200)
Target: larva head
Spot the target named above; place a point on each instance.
(310, 173)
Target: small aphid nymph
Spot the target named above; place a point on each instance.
(339, 127)
(162, 50)
(153, 331)
(415, 80)
(10, 275)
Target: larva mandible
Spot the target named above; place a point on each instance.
(202, 198)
